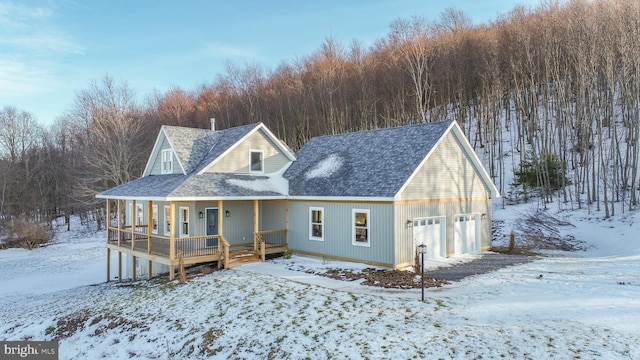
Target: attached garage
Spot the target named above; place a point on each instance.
(431, 232)
(466, 230)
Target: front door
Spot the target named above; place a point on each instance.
(212, 226)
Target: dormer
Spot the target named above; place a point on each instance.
(259, 152)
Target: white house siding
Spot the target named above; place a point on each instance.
(447, 174)
(156, 167)
(237, 160)
(404, 212)
(338, 231)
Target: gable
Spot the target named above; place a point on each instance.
(450, 172)
(237, 159)
(156, 159)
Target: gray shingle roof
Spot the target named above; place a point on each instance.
(211, 185)
(374, 163)
(189, 144)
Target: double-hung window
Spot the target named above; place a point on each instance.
(154, 219)
(139, 214)
(316, 223)
(256, 159)
(167, 220)
(167, 161)
(360, 224)
(184, 221)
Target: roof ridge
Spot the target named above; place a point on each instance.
(382, 129)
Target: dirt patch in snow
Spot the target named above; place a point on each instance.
(391, 279)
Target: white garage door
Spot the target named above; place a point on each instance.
(466, 237)
(431, 232)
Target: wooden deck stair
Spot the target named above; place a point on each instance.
(240, 258)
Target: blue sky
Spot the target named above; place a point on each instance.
(49, 50)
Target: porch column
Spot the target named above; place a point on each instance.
(133, 269)
(286, 222)
(172, 239)
(255, 216)
(119, 222)
(108, 264)
(133, 224)
(150, 269)
(108, 217)
(108, 221)
(119, 266)
(149, 225)
(220, 217)
(255, 224)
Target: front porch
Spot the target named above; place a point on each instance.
(142, 241)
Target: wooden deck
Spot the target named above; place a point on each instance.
(193, 250)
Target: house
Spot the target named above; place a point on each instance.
(369, 196)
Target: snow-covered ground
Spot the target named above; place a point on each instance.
(566, 305)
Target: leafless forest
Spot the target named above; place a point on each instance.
(556, 85)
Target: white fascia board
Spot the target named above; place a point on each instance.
(154, 152)
(495, 193)
(176, 155)
(285, 149)
(227, 198)
(417, 169)
(342, 198)
(124, 197)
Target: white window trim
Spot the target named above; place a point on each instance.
(261, 171)
(155, 220)
(167, 214)
(181, 222)
(311, 223)
(353, 227)
(166, 159)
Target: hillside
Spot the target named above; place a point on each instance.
(584, 304)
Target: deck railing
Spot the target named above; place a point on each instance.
(197, 246)
(274, 237)
(192, 246)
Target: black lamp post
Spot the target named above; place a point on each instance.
(422, 249)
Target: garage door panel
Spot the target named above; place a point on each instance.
(465, 233)
(431, 232)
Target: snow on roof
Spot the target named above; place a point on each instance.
(274, 182)
(326, 167)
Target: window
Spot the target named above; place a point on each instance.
(167, 220)
(316, 223)
(167, 161)
(360, 220)
(139, 214)
(184, 221)
(257, 161)
(154, 219)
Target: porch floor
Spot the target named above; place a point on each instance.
(160, 250)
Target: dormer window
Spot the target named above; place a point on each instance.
(167, 161)
(257, 161)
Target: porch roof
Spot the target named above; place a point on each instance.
(205, 186)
